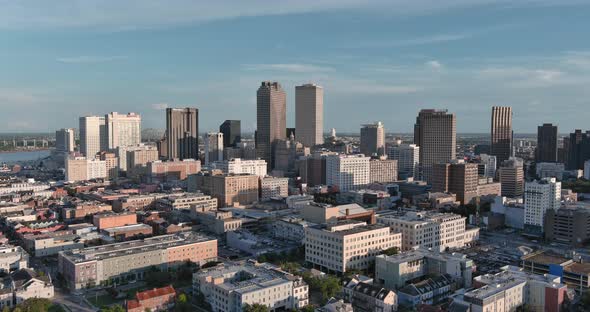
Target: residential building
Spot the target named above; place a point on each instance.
(271, 117)
(347, 245)
(382, 170)
(272, 187)
(51, 243)
(570, 224)
(155, 300)
(93, 135)
(186, 201)
(136, 156)
(111, 163)
(540, 197)
(408, 159)
(290, 229)
(122, 129)
(367, 297)
(133, 259)
(546, 144)
(430, 291)
(213, 147)
(230, 286)
(501, 145)
(505, 296)
(457, 177)
(347, 172)
(511, 175)
(232, 133)
(13, 258)
(335, 305)
(25, 284)
(182, 133)
(429, 229)
(65, 140)
(396, 271)
(435, 132)
(309, 114)
(256, 167)
(97, 169)
(373, 139)
(111, 219)
(172, 170)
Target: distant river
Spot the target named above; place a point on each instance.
(12, 157)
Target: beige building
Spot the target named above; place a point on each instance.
(242, 166)
(457, 177)
(217, 221)
(347, 172)
(123, 129)
(230, 190)
(186, 201)
(136, 155)
(435, 132)
(182, 133)
(427, 229)
(373, 139)
(213, 147)
(511, 174)
(172, 170)
(273, 187)
(348, 245)
(382, 170)
(133, 259)
(111, 164)
(93, 135)
(309, 114)
(76, 169)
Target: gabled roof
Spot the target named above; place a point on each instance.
(156, 292)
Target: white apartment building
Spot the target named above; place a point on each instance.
(230, 286)
(540, 196)
(347, 172)
(28, 186)
(273, 187)
(408, 159)
(213, 147)
(123, 129)
(242, 166)
(347, 245)
(428, 229)
(96, 169)
(93, 135)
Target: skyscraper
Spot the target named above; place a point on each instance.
(123, 130)
(64, 140)
(578, 146)
(373, 139)
(309, 114)
(539, 197)
(546, 143)
(408, 159)
(435, 132)
(213, 147)
(501, 145)
(271, 117)
(182, 133)
(457, 177)
(93, 135)
(232, 132)
(511, 174)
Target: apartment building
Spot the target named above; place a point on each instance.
(13, 258)
(347, 245)
(185, 201)
(230, 286)
(569, 224)
(131, 260)
(539, 198)
(84, 209)
(366, 297)
(24, 284)
(242, 166)
(382, 170)
(429, 229)
(272, 187)
(347, 172)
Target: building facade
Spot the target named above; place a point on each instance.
(232, 132)
(347, 172)
(501, 145)
(408, 159)
(256, 167)
(213, 147)
(182, 133)
(271, 117)
(546, 143)
(309, 114)
(435, 132)
(93, 135)
(65, 140)
(540, 197)
(123, 129)
(373, 139)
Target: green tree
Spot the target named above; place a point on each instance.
(256, 307)
(113, 308)
(34, 305)
(182, 298)
(329, 286)
(391, 251)
(307, 308)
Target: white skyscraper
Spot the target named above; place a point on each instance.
(123, 129)
(213, 147)
(64, 140)
(309, 114)
(347, 172)
(540, 196)
(408, 159)
(93, 135)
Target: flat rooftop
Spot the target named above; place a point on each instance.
(125, 228)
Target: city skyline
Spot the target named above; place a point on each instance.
(394, 59)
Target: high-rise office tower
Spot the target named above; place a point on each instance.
(213, 147)
(578, 149)
(309, 114)
(511, 174)
(490, 164)
(271, 117)
(501, 145)
(64, 140)
(457, 177)
(182, 133)
(123, 129)
(408, 159)
(93, 136)
(232, 132)
(435, 132)
(546, 143)
(373, 139)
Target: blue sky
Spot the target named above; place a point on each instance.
(377, 60)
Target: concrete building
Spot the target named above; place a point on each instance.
(125, 232)
(309, 114)
(435, 132)
(232, 132)
(366, 297)
(540, 197)
(22, 285)
(373, 139)
(186, 201)
(347, 172)
(229, 190)
(157, 299)
(578, 149)
(13, 258)
(408, 159)
(65, 140)
(182, 133)
(93, 135)
(271, 187)
(396, 271)
(134, 156)
(271, 119)
(111, 163)
(133, 259)
(109, 220)
(213, 147)
(511, 175)
(491, 164)
(325, 213)
(76, 168)
(290, 229)
(217, 221)
(286, 152)
(172, 170)
(587, 169)
(550, 170)
(51, 243)
(570, 224)
(501, 145)
(122, 129)
(573, 272)
(546, 144)
(230, 286)
(347, 245)
(256, 167)
(458, 177)
(428, 229)
(96, 169)
(382, 170)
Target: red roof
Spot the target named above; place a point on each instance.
(156, 292)
(133, 304)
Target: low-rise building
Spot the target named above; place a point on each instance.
(83, 209)
(291, 229)
(185, 201)
(110, 219)
(368, 298)
(51, 243)
(570, 224)
(139, 202)
(25, 284)
(172, 170)
(155, 300)
(229, 287)
(573, 272)
(218, 221)
(125, 232)
(242, 166)
(13, 258)
(430, 291)
(325, 213)
(272, 187)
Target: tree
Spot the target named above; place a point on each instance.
(113, 308)
(329, 286)
(6, 309)
(182, 298)
(34, 305)
(307, 308)
(391, 251)
(256, 307)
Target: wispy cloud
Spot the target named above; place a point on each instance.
(434, 64)
(293, 68)
(84, 59)
(160, 106)
(379, 88)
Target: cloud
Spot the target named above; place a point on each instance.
(434, 64)
(379, 88)
(160, 106)
(89, 59)
(293, 68)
